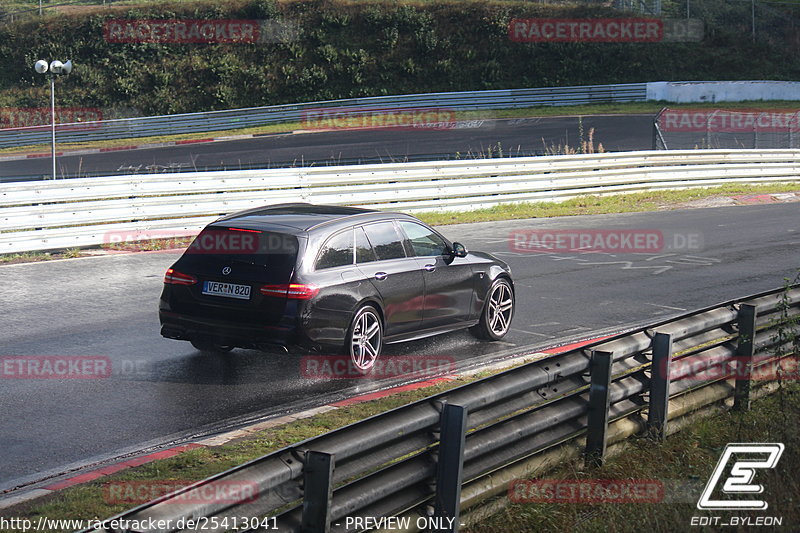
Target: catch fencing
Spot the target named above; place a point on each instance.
(687, 129)
(58, 214)
(445, 454)
(126, 128)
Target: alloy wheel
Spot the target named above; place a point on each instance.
(366, 339)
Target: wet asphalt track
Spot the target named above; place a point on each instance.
(469, 139)
(161, 391)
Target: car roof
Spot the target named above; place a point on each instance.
(298, 218)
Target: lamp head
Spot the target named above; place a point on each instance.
(40, 66)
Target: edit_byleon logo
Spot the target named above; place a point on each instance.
(748, 458)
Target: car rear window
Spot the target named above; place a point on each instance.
(364, 251)
(273, 251)
(337, 251)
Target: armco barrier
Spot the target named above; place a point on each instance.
(681, 91)
(259, 116)
(60, 214)
(410, 460)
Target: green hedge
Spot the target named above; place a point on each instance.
(348, 49)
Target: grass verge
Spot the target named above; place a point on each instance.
(35, 257)
(688, 456)
(600, 205)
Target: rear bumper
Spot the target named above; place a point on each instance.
(280, 338)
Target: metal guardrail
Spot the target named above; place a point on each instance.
(259, 116)
(57, 214)
(413, 459)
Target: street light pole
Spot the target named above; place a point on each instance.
(55, 67)
(53, 121)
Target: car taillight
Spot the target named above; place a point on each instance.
(295, 291)
(173, 277)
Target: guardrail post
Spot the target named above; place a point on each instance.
(599, 403)
(317, 492)
(745, 349)
(658, 411)
(447, 504)
(655, 136)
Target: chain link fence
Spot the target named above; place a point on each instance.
(686, 129)
(42, 7)
(772, 22)
(645, 7)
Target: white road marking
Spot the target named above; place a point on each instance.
(667, 307)
(628, 265)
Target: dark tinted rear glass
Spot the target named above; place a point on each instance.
(338, 251)
(385, 240)
(272, 253)
(364, 251)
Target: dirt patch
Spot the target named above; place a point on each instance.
(739, 199)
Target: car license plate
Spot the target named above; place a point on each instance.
(229, 290)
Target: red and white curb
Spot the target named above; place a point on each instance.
(87, 151)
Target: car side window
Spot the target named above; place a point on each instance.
(424, 242)
(364, 251)
(385, 240)
(337, 251)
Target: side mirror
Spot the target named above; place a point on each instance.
(459, 250)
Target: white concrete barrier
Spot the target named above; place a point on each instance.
(56, 214)
(683, 92)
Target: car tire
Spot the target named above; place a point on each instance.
(207, 346)
(364, 340)
(498, 310)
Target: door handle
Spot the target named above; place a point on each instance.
(380, 275)
(430, 268)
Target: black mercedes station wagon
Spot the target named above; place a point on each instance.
(324, 278)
